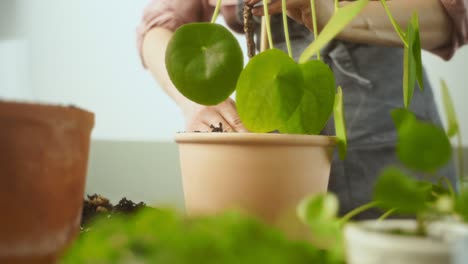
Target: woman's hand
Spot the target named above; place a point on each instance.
(201, 117)
(299, 10)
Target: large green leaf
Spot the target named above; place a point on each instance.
(422, 146)
(340, 19)
(340, 124)
(269, 91)
(396, 190)
(317, 102)
(204, 61)
(452, 121)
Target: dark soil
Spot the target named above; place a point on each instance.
(217, 129)
(95, 205)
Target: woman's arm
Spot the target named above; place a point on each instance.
(160, 20)
(372, 24)
(153, 53)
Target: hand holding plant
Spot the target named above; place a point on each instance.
(299, 10)
(201, 117)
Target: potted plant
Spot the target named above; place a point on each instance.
(435, 216)
(43, 165)
(439, 211)
(248, 171)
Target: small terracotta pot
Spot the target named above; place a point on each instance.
(43, 163)
(265, 175)
(370, 242)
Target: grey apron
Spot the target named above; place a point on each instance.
(371, 78)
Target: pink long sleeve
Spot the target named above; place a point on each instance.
(458, 13)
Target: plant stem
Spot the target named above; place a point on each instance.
(461, 170)
(449, 186)
(286, 28)
(421, 225)
(314, 23)
(267, 21)
(216, 11)
(386, 214)
(357, 211)
(395, 25)
(249, 30)
(336, 5)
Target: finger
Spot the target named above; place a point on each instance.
(232, 117)
(273, 8)
(215, 120)
(252, 2)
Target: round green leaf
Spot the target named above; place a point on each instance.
(204, 61)
(396, 190)
(421, 146)
(319, 207)
(402, 117)
(269, 91)
(317, 102)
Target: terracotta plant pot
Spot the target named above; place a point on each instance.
(265, 175)
(43, 163)
(370, 242)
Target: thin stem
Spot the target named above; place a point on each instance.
(263, 36)
(461, 170)
(286, 28)
(314, 23)
(421, 225)
(336, 5)
(267, 21)
(216, 11)
(449, 186)
(249, 30)
(358, 210)
(386, 214)
(395, 25)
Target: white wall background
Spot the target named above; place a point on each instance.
(84, 53)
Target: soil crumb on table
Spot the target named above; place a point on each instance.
(97, 205)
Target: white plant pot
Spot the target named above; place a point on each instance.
(369, 242)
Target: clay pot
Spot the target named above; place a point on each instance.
(265, 175)
(43, 165)
(371, 242)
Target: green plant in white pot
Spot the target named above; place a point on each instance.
(248, 171)
(440, 212)
(435, 215)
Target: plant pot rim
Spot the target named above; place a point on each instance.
(48, 113)
(10, 103)
(255, 138)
